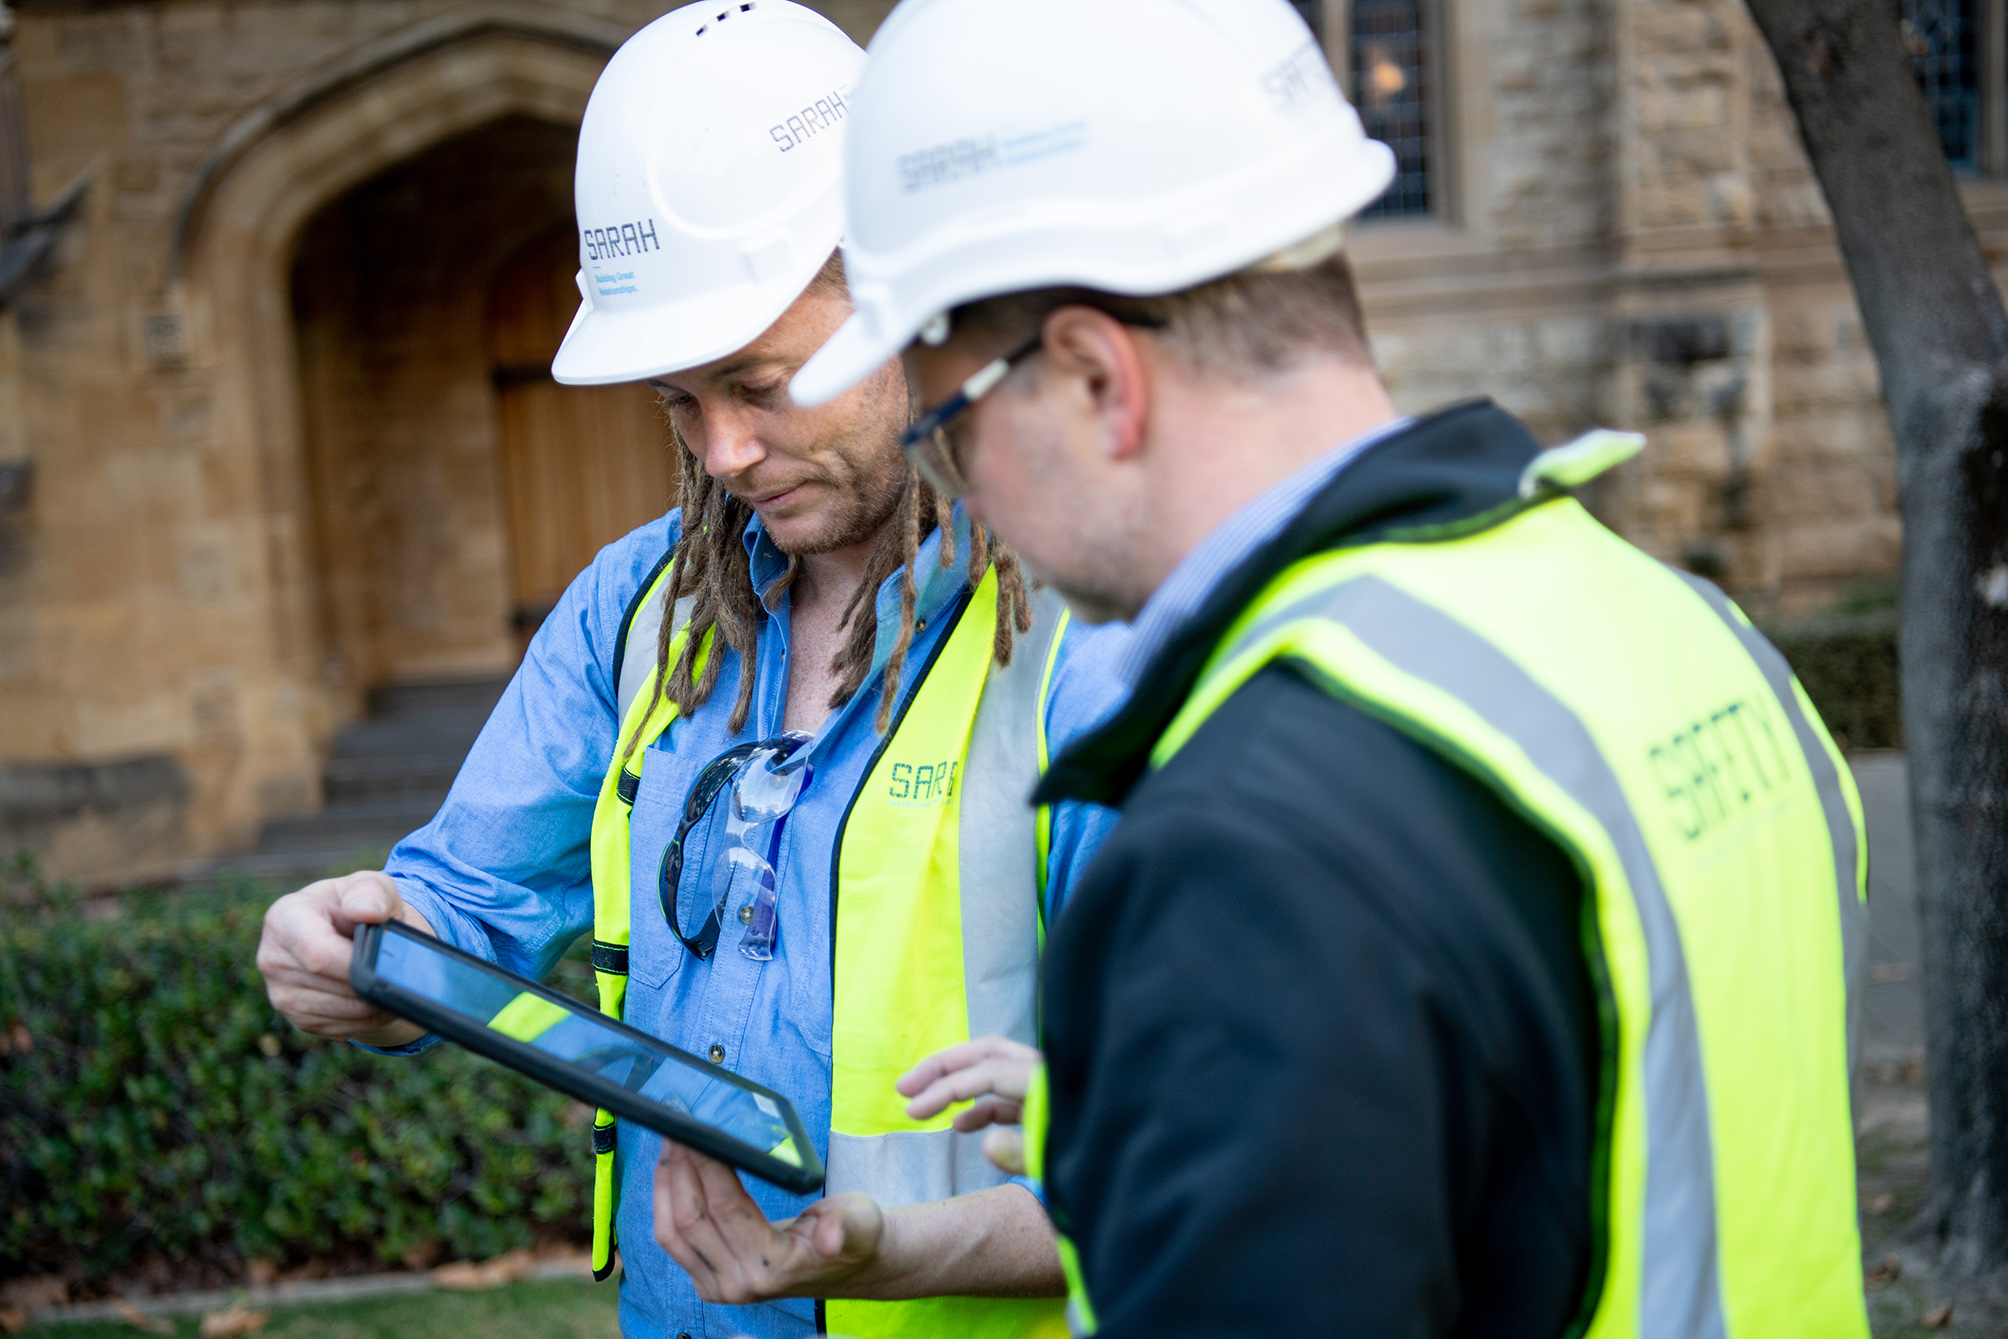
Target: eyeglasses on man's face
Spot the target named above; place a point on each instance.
(929, 444)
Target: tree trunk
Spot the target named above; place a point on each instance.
(1935, 321)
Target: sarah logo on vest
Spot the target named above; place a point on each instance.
(916, 784)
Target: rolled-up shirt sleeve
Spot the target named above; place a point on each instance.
(504, 869)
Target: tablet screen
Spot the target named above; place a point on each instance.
(499, 1002)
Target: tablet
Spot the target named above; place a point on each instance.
(581, 1052)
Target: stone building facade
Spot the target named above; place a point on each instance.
(263, 404)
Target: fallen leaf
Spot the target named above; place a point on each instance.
(31, 1294)
(513, 1267)
(464, 1275)
(13, 1319)
(232, 1321)
(424, 1255)
(467, 1275)
(139, 1320)
(1937, 1318)
(1882, 1203)
(1884, 1274)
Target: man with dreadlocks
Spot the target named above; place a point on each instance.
(774, 750)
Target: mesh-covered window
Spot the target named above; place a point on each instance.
(1392, 86)
(1388, 47)
(13, 148)
(1944, 40)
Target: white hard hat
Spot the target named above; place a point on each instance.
(709, 185)
(1132, 146)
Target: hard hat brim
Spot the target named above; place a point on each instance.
(851, 355)
(605, 348)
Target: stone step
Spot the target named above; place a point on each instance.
(385, 778)
(375, 824)
(397, 699)
(425, 732)
(358, 778)
(292, 868)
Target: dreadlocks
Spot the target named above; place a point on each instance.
(710, 565)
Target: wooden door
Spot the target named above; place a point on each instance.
(580, 465)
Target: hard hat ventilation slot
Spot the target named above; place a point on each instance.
(723, 15)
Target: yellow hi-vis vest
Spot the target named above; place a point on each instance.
(1633, 714)
(940, 873)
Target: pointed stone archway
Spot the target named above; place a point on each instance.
(231, 308)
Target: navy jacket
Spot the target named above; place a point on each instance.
(1323, 1044)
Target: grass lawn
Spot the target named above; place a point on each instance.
(537, 1310)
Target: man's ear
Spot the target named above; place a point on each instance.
(1102, 352)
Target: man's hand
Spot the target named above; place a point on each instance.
(709, 1224)
(995, 1073)
(305, 950)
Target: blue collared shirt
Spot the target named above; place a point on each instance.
(1260, 519)
(504, 869)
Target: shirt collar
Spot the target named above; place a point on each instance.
(1201, 571)
(936, 587)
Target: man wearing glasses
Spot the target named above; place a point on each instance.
(1473, 954)
(773, 751)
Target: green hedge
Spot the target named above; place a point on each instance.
(162, 1112)
(1848, 664)
(165, 1113)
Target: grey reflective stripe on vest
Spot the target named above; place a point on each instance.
(1680, 1291)
(997, 845)
(1833, 802)
(911, 1167)
(998, 838)
(643, 637)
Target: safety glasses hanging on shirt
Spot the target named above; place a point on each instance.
(762, 789)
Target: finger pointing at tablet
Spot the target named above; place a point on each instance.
(993, 1072)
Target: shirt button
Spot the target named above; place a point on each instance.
(717, 1055)
(746, 914)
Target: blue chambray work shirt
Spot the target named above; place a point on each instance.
(504, 869)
